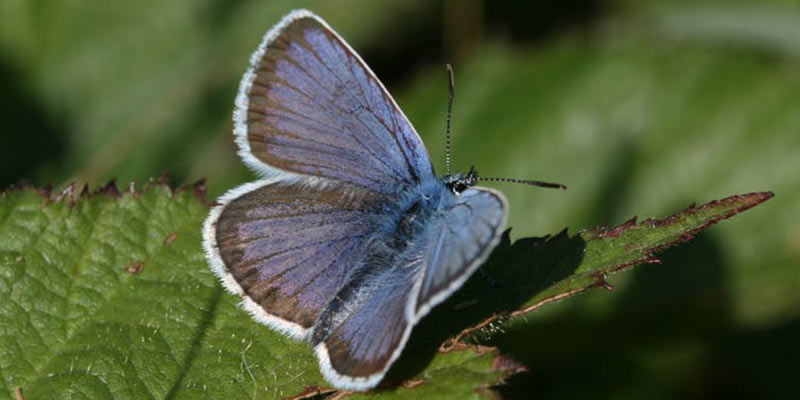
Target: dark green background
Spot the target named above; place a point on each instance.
(640, 107)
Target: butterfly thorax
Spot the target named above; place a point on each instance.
(459, 182)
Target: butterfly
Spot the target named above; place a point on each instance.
(349, 238)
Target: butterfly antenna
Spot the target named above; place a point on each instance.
(525, 182)
(449, 112)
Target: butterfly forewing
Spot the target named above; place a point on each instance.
(311, 106)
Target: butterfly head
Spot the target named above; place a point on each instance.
(458, 183)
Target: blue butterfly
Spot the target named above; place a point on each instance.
(349, 238)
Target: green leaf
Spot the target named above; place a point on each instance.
(562, 266)
(107, 295)
(98, 299)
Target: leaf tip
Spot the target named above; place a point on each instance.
(507, 365)
(109, 189)
(199, 190)
(67, 192)
(164, 180)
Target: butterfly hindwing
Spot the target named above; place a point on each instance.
(288, 249)
(309, 105)
(384, 306)
(459, 241)
(373, 330)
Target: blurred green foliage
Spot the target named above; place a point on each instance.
(638, 106)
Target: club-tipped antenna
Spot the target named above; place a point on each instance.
(451, 81)
(525, 182)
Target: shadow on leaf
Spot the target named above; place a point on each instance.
(513, 274)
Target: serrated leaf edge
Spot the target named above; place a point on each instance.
(602, 232)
